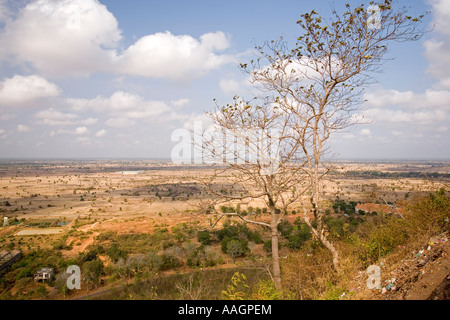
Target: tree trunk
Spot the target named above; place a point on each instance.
(275, 253)
(319, 233)
(333, 251)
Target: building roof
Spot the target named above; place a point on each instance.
(381, 208)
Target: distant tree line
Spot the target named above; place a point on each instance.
(410, 174)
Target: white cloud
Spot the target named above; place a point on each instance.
(398, 116)
(22, 128)
(81, 130)
(83, 140)
(365, 132)
(180, 58)
(430, 99)
(202, 119)
(61, 38)
(180, 102)
(120, 122)
(89, 121)
(118, 102)
(55, 118)
(229, 86)
(348, 136)
(4, 11)
(122, 106)
(437, 49)
(101, 133)
(23, 90)
(3, 134)
(6, 117)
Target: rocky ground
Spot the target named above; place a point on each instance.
(425, 275)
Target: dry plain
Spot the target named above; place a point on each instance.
(135, 195)
(84, 199)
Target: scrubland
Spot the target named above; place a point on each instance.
(136, 231)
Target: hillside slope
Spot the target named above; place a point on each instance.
(424, 275)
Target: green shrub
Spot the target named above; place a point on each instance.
(255, 236)
(115, 253)
(236, 248)
(224, 243)
(268, 246)
(105, 236)
(204, 237)
(169, 261)
(285, 228)
(425, 216)
(335, 227)
(24, 273)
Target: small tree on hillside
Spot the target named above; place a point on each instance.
(255, 158)
(320, 82)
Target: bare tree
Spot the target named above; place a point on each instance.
(191, 290)
(321, 80)
(255, 157)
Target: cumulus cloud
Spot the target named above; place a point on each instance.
(89, 121)
(101, 133)
(54, 117)
(400, 116)
(413, 114)
(430, 99)
(122, 107)
(83, 140)
(180, 102)
(81, 130)
(229, 86)
(62, 38)
(437, 48)
(24, 90)
(22, 128)
(120, 122)
(180, 58)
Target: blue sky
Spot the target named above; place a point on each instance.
(114, 79)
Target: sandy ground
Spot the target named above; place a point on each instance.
(137, 197)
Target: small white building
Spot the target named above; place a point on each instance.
(5, 221)
(45, 274)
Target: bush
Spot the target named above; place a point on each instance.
(169, 261)
(204, 237)
(268, 246)
(115, 253)
(266, 291)
(299, 237)
(335, 227)
(425, 216)
(285, 228)
(255, 237)
(385, 239)
(88, 256)
(227, 232)
(105, 236)
(24, 273)
(236, 248)
(92, 270)
(224, 243)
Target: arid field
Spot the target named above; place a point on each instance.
(67, 206)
